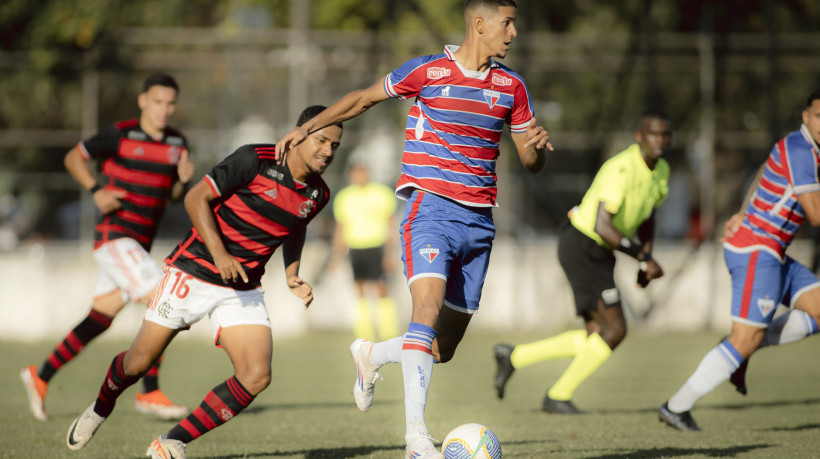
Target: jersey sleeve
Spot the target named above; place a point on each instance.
(522, 111)
(407, 80)
(237, 170)
(614, 177)
(802, 167)
(103, 144)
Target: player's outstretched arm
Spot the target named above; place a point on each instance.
(292, 255)
(532, 146)
(349, 106)
(197, 204)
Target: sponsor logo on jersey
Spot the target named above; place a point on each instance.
(429, 253)
(271, 193)
(765, 305)
(501, 80)
(276, 175)
(174, 140)
(139, 151)
(306, 208)
(445, 92)
(491, 97)
(137, 135)
(434, 73)
(610, 296)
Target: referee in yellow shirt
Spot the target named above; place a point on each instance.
(366, 227)
(616, 213)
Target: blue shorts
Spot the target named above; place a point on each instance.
(760, 283)
(443, 239)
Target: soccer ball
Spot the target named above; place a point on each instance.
(469, 441)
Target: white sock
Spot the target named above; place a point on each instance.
(417, 370)
(716, 367)
(386, 351)
(789, 327)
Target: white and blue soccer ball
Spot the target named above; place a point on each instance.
(471, 441)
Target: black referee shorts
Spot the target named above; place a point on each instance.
(589, 269)
(367, 263)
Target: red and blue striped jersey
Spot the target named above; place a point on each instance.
(774, 215)
(142, 167)
(455, 125)
(258, 205)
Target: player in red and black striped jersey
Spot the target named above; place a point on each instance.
(242, 211)
(145, 163)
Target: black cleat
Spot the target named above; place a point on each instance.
(681, 421)
(505, 367)
(738, 378)
(559, 406)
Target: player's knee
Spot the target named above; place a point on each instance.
(136, 364)
(255, 378)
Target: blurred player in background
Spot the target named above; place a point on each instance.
(365, 229)
(242, 211)
(145, 162)
(784, 195)
(616, 213)
(463, 99)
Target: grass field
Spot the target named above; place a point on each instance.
(308, 411)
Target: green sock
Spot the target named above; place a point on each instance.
(588, 359)
(560, 346)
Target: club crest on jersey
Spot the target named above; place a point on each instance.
(445, 92)
(174, 154)
(491, 97)
(434, 73)
(501, 80)
(429, 253)
(765, 305)
(306, 208)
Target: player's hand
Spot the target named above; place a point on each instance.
(653, 271)
(185, 168)
(538, 136)
(731, 226)
(108, 200)
(229, 268)
(288, 142)
(301, 289)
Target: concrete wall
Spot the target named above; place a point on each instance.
(46, 290)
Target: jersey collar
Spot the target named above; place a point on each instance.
(450, 50)
(806, 135)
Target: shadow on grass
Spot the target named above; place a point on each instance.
(733, 451)
(793, 429)
(732, 407)
(261, 407)
(318, 453)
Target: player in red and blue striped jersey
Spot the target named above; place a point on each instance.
(463, 100)
(242, 211)
(145, 163)
(784, 195)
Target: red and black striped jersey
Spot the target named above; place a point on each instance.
(142, 167)
(258, 205)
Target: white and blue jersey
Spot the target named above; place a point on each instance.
(763, 276)
(455, 125)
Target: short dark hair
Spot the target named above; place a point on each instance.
(159, 79)
(655, 113)
(812, 97)
(488, 4)
(310, 113)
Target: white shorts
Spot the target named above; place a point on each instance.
(125, 266)
(182, 300)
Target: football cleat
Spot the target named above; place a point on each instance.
(366, 374)
(83, 428)
(155, 403)
(163, 448)
(36, 389)
(559, 406)
(420, 446)
(681, 421)
(504, 367)
(738, 378)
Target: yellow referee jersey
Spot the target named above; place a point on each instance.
(364, 213)
(629, 191)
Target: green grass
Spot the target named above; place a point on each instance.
(308, 411)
